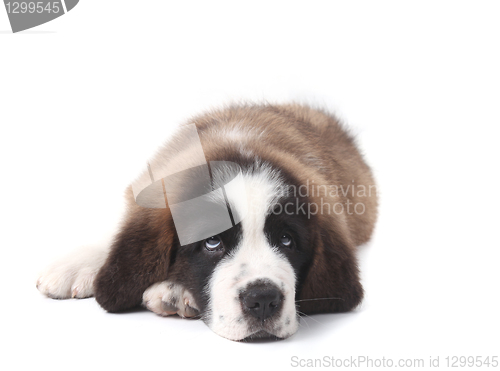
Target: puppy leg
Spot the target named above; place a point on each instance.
(167, 298)
(72, 276)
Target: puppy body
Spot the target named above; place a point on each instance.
(305, 199)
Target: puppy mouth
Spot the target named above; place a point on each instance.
(261, 335)
(267, 329)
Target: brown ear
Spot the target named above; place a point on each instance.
(139, 257)
(333, 277)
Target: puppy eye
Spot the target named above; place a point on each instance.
(213, 243)
(286, 240)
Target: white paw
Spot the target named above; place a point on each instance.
(167, 298)
(72, 276)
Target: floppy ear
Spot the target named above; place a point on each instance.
(139, 257)
(333, 275)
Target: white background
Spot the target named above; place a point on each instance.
(87, 98)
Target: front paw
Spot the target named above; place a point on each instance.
(66, 282)
(72, 276)
(168, 298)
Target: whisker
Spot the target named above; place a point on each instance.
(301, 323)
(319, 299)
(305, 315)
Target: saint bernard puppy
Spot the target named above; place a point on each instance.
(269, 235)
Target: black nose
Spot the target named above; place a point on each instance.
(261, 300)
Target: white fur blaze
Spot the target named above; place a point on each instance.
(252, 260)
